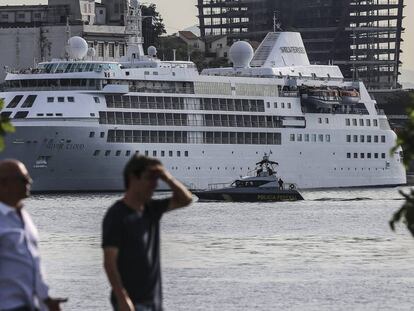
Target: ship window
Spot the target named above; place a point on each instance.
(368, 122)
(383, 139)
(375, 122)
(289, 105)
(96, 153)
(162, 153)
(15, 101)
(96, 99)
(362, 138)
(283, 105)
(102, 134)
(328, 138)
(354, 122)
(21, 114)
(375, 139)
(383, 155)
(320, 137)
(355, 138)
(118, 153)
(128, 153)
(362, 155)
(368, 138)
(275, 105)
(314, 137)
(299, 137)
(348, 155)
(306, 137)
(347, 122)
(170, 153)
(29, 101)
(59, 114)
(91, 134)
(267, 104)
(319, 120)
(361, 122)
(327, 120)
(61, 99)
(355, 155)
(40, 114)
(178, 153)
(154, 153)
(71, 99)
(146, 153)
(49, 114)
(292, 137)
(348, 138)
(186, 153)
(6, 114)
(369, 155)
(376, 155)
(107, 153)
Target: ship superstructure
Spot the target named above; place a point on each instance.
(79, 121)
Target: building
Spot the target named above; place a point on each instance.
(33, 33)
(363, 37)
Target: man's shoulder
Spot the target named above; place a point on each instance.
(117, 209)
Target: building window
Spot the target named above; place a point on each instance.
(319, 120)
(354, 122)
(146, 153)
(355, 155)
(362, 138)
(375, 122)
(376, 155)
(121, 50)
(348, 155)
(383, 155)
(362, 155)
(283, 105)
(348, 138)
(327, 120)
(306, 137)
(289, 105)
(320, 137)
(71, 99)
(100, 50)
(299, 137)
(91, 134)
(154, 153)
(369, 155)
(275, 105)
(347, 122)
(355, 138)
(268, 105)
(96, 153)
(61, 99)
(102, 134)
(361, 122)
(111, 50)
(162, 153)
(128, 153)
(170, 153)
(96, 99)
(375, 139)
(383, 138)
(368, 122)
(178, 153)
(368, 138)
(186, 153)
(292, 137)
(328, 138)
(50, 99)
(107, 153)
(118, 153)
(313, 137)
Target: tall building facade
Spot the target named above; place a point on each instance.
(363, 37)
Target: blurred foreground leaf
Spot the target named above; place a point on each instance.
(5, 127)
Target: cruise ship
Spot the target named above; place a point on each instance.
(79, 120)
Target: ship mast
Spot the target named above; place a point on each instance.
(133, 28)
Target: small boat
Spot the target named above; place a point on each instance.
(264, 186)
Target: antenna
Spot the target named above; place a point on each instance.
(276, 23)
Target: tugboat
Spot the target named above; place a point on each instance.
(264, 186)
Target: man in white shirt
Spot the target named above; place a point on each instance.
(21, 282)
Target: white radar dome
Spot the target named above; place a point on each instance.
(91, 52)
(152, 51)
(77, 47)
(241, 54)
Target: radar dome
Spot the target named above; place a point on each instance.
(91, 52)
(152, 51)
(77, 47)
(241, 54)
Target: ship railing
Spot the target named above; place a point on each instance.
(217, 186)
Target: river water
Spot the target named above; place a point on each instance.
(333, 251)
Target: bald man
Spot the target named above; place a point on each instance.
(21, 283)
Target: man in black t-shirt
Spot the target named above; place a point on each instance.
(131, 237)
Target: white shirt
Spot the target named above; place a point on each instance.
(21, 281)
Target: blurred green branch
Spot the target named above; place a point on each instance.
(5, 126)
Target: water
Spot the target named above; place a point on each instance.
(333, 251)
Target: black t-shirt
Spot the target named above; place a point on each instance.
(137, 237)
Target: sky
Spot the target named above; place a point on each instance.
(181, 14)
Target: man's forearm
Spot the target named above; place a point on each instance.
(181, 195)
(115, 280)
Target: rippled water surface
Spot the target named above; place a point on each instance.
(333, 251)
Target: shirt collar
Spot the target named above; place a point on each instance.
(6, 209)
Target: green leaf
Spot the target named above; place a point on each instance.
(8, 127)
(2, 145)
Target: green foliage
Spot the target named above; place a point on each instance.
(406, 141)
(152, 28)
(5, 127)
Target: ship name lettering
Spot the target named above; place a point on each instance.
(75, 146)
(293, 50)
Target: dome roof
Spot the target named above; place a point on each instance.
(241, 53)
